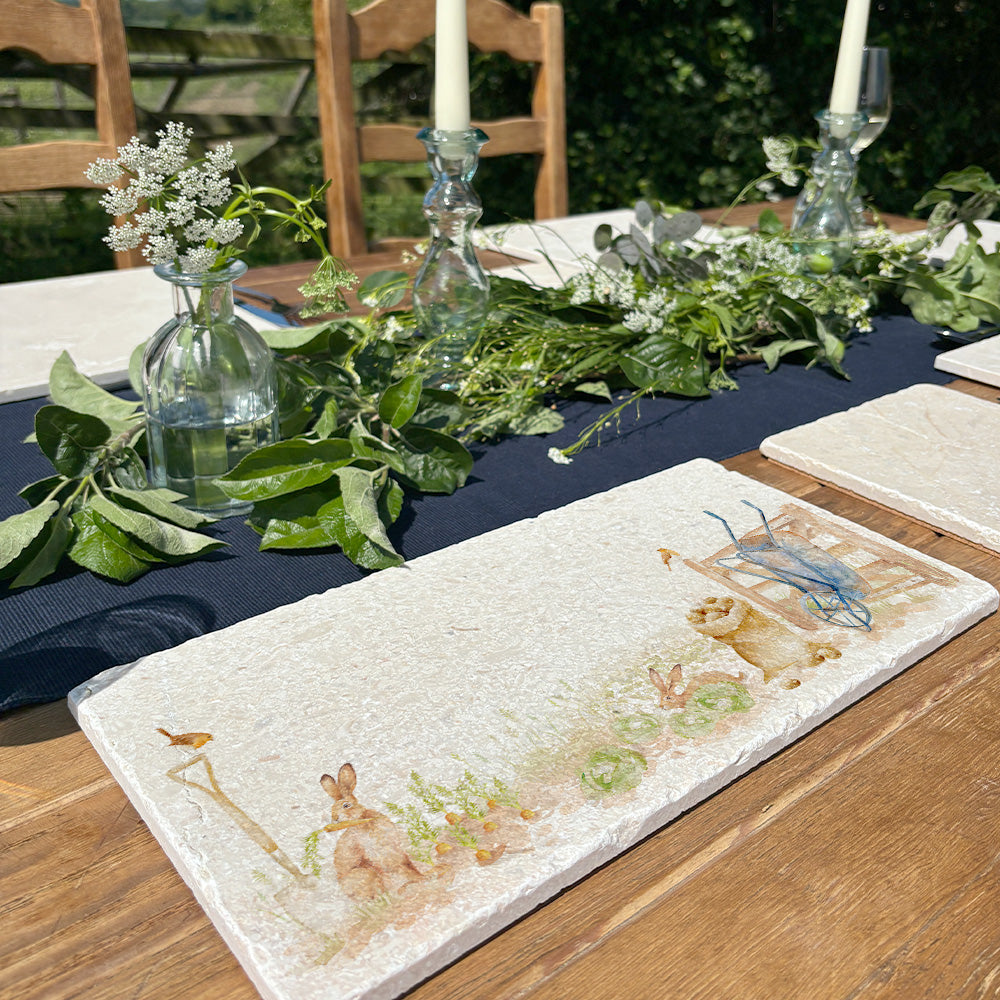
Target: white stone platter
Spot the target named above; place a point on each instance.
(515, 710)
(979, 362)
(926, 451)
(98, 318)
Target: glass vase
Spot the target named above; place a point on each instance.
(209, 390)
(823, 222)
(451, 291)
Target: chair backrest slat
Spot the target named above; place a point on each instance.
(397, 26)
(91, 35)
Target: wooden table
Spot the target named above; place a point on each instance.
(859, 862)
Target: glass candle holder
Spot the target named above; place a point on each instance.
(823, 223)
(451, 291)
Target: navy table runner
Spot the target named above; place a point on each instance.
(74, 625)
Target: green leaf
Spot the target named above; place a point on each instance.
(153, 535)
(399, 402)
(284, 468)
(433, 462)
(128, 470)
(69, 388)
(374, 365)
(595, 389)
(71, 441)
(18, 531)
(663, 364)
(777, 349)
(328, 523)
(440, 408)
(539, 419)
(769, 224)
(159, 503)
(106, 550)
(299, 339)
(384, 289)
(55, 537)
(361, 505)
(35, 493)
(135, 368)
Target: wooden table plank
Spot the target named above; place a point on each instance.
(93, 907)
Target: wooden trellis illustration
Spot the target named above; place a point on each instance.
(892, 576)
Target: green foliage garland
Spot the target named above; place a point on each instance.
(362, 421)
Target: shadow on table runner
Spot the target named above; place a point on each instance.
(56, 635)
(47, 665)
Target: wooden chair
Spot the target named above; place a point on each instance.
(91, 35)
(398, 26)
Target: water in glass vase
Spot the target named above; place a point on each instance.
(191, 454)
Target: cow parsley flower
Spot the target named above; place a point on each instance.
(184, 209)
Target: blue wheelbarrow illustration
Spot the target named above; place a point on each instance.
(830, 589)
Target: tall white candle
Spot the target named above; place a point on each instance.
(847, 77)
(451, 66)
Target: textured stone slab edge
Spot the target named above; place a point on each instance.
(926, 512)
(397, 980)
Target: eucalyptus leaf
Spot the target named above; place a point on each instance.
(71, 441)
(643, 213)
(284, 468)
(626, 249)
(603, 236)
(682, 226)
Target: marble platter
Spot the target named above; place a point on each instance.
(926, 451)
(361, 786)
(98, 318)
(979, 362)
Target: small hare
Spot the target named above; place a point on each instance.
(369, 858)
(670, 697)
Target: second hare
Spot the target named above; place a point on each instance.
(369, 857)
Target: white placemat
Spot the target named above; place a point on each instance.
(926, 451)
(361, 786)
(979, 362)
(98, 318)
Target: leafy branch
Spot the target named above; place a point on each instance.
(362, 422)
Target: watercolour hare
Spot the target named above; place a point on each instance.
(369, 858)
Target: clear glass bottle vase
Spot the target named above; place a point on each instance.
(823, 222)
(209, 390)
(451, 292)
